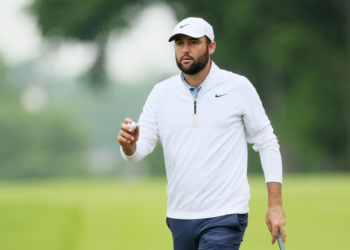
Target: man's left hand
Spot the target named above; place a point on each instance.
(275, 220)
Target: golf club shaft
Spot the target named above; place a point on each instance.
(280, 241)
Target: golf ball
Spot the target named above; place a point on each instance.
(132, 125)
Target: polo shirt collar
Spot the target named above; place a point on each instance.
(213, 72)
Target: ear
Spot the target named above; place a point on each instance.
(212, 47)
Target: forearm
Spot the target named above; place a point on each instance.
(274, 193)
(275, 217)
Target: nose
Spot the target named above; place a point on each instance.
(186, 48)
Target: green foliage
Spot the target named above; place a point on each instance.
(84, 20)
(45, 144)
(114, 214)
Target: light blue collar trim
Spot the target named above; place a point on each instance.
(189, 86)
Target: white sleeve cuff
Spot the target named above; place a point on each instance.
(131, 158)
(272, 164)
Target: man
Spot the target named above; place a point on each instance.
(204, 118)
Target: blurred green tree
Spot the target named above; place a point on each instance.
(296, 53)
(41, 145)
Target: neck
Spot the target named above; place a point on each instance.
(197, 79)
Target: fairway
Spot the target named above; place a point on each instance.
(116, 214)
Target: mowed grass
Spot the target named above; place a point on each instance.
(116, 214)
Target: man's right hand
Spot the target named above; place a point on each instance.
(127, 138)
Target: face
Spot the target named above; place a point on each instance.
(192, 54)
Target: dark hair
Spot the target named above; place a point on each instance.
(208, 41)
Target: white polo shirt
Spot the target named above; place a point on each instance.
(205, 143)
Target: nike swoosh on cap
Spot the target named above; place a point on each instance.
(183, 26)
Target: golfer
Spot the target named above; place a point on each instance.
(204, 118)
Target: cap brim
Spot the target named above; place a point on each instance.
(191, 34)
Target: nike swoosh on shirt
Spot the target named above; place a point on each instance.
(183, 26)
(219, 95)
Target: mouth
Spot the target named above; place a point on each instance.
(186, 59)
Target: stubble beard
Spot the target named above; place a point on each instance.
(196, 66)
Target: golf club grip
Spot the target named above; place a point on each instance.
(280, 241)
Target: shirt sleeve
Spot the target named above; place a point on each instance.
(148, 136)
(259, 132)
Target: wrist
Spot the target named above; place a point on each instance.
(275, 203)
(274, 206)
(130, 150)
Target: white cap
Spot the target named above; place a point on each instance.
(193, 27)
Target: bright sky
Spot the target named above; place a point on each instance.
(143, 51)
(19, 37)
(132, 55)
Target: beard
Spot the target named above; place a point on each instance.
(197, 64)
